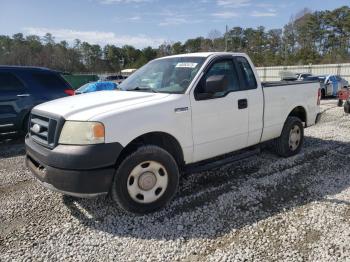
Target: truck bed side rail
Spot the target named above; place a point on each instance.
(285, 83)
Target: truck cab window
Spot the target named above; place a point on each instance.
(247, 73)
(221, 68)
(9, 82)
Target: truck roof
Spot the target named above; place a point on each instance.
(204, 54)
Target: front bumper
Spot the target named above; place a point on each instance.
(82, 171)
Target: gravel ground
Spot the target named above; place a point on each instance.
(263, 208)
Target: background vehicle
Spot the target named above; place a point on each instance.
(326, 89)
(302, 76)
(173, 114)
(288, 76)
(343, 82)
(116, 78)
(327, 86)
(291, 76)
(128, 72)
(330, 84)
(96, 86)
(21, 88)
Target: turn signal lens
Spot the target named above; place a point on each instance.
(99, 130)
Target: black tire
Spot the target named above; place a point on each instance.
(323, 94)
(119, 190)
(281, 144)
(340, 103)
(347, 107)
(25, 125)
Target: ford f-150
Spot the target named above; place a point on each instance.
(173, 112)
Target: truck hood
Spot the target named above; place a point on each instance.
(86, 106)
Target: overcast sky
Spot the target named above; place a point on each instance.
(145, 22)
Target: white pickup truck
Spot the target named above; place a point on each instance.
(172, 113)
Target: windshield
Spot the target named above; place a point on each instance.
(168, 75)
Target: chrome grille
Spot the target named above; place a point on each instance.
(43, 129)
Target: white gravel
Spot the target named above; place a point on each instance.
(263, 208)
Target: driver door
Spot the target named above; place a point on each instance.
(219, 122)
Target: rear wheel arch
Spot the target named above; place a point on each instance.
(300, 113)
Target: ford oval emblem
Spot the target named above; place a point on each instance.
(36, 128)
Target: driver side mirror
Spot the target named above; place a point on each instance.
(212, 85)
(215, 84)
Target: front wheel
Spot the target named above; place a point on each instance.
(146, 180)
(291, 139)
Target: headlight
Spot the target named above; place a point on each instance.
(82, 133)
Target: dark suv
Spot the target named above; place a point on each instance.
(22, 88)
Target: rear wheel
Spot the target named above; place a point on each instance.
(291, 139)
(146, 180)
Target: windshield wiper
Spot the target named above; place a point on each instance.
(143, 88)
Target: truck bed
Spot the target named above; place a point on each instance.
(281, 97)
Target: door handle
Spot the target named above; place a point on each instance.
(242, 103)
(23, 95)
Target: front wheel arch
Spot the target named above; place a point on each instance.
(164, 140)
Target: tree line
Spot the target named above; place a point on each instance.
(310, 37)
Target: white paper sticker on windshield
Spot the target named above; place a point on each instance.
(187, 65)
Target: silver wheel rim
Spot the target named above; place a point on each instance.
(294, 137)
(147, 182)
